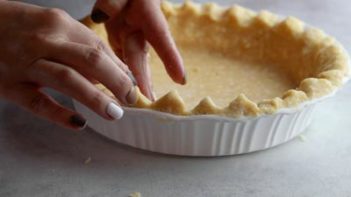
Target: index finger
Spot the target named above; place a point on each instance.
(157, 33)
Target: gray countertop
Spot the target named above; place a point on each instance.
(38, 158)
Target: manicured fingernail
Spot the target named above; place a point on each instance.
(153, 96)
(150, 93)
(78, 121)
(98, 16)
(132, 78)
(132, 96)
(115, 111)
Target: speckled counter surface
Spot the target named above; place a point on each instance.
(38, 158)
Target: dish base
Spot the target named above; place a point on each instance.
(199, 135)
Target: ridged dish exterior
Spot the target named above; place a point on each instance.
(199, 135)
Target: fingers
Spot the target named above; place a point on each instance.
(135, 56)
(87, 37)
(96, 63)
(116, 30)
(44, 106)
(146, 16)
(156, 32)
(70, 82)
(134, 49)
(103, 10)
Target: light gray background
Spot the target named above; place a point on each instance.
(40, 159)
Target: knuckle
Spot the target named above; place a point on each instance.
(37, 38)
(94, 56)
(55, 14)
(122, 86)
(38, 43)
(100, 45)
(97, 100)
(56, 114)
(65, 74)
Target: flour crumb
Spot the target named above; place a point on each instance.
(302, 138)
(87, 161)
(135, 194)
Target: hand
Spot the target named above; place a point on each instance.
(130, 23)
(47, 48)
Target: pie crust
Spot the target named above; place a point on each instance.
(315, 63)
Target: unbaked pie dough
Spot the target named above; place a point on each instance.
(242, 63)
(219, 77)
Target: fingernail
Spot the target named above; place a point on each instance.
(98, 16)
(153, 96)
(114, 111)
(132, 96)
(78, 121)
(132, 78)
(150, 93)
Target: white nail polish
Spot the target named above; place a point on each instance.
(114, 111)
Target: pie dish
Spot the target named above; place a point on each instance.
(253, 82)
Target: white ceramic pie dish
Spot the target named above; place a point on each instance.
(202, 135)
(207, 135)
